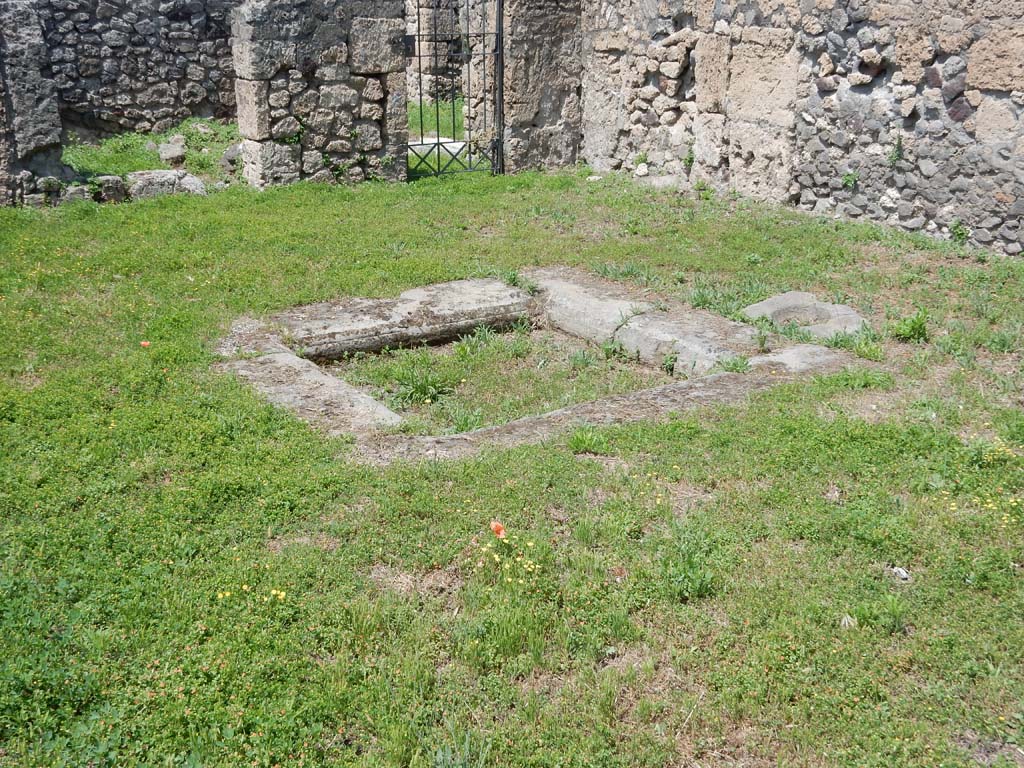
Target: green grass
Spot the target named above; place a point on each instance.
(205, 141)
(490, 378)
(442, 118)
(189, 576)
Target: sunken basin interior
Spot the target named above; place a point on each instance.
(492, 376)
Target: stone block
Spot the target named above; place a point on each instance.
(588, 312)
(298, 385)
(376, 46)
(286, 128)
(996, 61)
(426, 315)
(262, 59)
(696, 340)
(338, 96)
(76, 193)
(995, 120)
(112, 189)
(146, 184)
(764, 72)
(266, 163)
(712, 72)
(252, 98)
(708, 140)
(761, 160)
(368, 137)
(174, 151)
(821, 319)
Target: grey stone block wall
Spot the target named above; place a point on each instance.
(321, 90)
(139, 65)
(30, 126)
(909, 113)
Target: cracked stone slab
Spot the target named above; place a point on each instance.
(583, 308)
(300, 386)
(799, 358)
(249, 336)
(649, 404)
(819, 318)
(429, 315)
(697, 339)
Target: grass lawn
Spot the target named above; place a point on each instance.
(191, 577)
(440, 118)
(492, 378)
(205, 142)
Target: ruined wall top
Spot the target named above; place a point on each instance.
(321, 89)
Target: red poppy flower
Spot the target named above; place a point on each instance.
(498, 528)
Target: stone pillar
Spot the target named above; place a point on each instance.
(543, 76)
(478, 73)
(7, 185)
(320, 90)
(30, 125)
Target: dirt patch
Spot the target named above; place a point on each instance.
(874, 406)
(833, 494)
(735, 749)
(628, 659)
(27, 381)
(598, 496)
(440, 582)
(547, 685)
(320, 541)
(989, 752)
(686, 497)
(610, 463)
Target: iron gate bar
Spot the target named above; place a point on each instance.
(499, 89)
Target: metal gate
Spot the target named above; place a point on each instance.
(455, 73)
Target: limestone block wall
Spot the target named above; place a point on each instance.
(321, 89)
(139, 65)
(911, 113)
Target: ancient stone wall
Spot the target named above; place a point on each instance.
(139, 65)
(906, 112)
(29, 118)
(6, 149)
(321, 89)
(909, 112)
